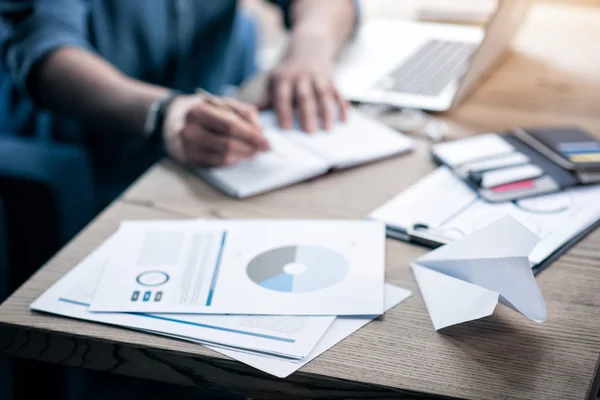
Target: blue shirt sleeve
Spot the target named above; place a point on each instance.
(286, 6)
(34, 28)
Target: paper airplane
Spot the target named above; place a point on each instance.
(464, 280)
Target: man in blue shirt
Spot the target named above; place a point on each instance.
(112, 67)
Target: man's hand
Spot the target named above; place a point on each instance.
(212, 132)
(303, 81)
(305, 84)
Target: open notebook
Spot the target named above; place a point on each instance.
(296, 156)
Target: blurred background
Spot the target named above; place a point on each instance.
(273, 35)
(50, 211)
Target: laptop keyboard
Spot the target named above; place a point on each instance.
(429, 70)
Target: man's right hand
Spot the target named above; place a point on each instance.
(212, 132)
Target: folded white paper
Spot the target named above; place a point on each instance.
(464, 280)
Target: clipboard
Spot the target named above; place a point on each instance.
(431, 242)
(452, 209)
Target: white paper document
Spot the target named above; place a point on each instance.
(503, 161)
(278, 345)
(286, 336)
(464, 280)
(296, 156)
(473, 149)
(504, 176)
(444, 203)
(252, 267)
(341, 328)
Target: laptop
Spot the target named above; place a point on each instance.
(423, 65)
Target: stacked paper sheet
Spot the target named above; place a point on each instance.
(267, 293)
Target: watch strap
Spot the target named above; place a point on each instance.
(155, 129)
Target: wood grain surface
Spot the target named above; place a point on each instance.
(552, 77)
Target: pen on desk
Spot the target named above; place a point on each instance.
(419, 234)
(424, 240)
(414, 238)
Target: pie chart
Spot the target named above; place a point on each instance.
(299, 268)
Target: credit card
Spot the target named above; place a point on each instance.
(510, 187)
(476, 148)
(522, 189)
(508, 175)
(571, 147)
(503, 161)
(584, 157)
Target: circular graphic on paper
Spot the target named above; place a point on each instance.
(152, 278)
(548, 204)
(301, 268)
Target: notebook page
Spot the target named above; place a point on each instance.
(286, 163)
(359, 140)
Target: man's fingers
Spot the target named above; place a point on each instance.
(282, 95)
(206, 159)
(228, 123)
(342, 105)
(214, 142)
(264, 104)
(214, 150)
(247, 111)
(327, 104)
(227, 145)
(193, 151)
(307, 105)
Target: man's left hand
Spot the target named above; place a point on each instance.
(302, 86)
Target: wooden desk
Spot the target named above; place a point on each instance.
(552, 77)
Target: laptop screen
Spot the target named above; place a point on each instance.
(500, 31)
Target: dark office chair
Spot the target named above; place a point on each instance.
(48, 197)
(5, 370)
(3, 254)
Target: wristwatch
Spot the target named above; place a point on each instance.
(155, 118)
